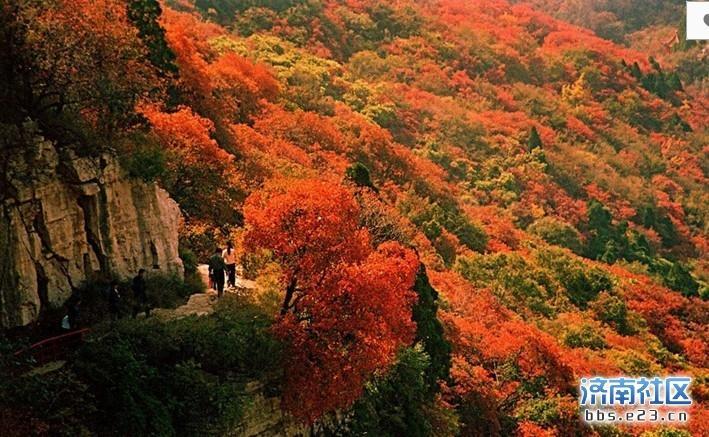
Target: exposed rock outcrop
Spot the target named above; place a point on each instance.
(65, 217)
(263, 416)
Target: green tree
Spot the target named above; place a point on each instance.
(147, 162)
(557, 232)
(398, 403)
(674, 82)
(667, 231)
(429, 331)
(392, 405)
(639, 248)
(144, 14)
(612, 310)
(582, 283)
(651, 218)
(584, 336)
(675, 123)
(358, 173)
(678, 277)
(600, 229)
(534, 141)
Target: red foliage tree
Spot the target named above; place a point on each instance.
(75, 56)
(347, 307)
(487, 337)
(679, 322)
(240, 84)
(201, 176)
(228, 89)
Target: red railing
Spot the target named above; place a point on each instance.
(53, 348)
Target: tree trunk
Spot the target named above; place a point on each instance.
(290, 291)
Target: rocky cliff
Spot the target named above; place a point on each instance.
(263, 416)
(65, 217)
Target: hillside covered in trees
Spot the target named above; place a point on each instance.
(454, 209)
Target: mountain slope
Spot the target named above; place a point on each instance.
(553, 183)
(485, 127)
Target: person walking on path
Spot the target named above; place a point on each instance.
(114, 301)
(72, 311)
(229, 255)
(216, 271)
(140, 295)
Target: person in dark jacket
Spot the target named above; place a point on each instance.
(216, 271)
(114, 301)
(140, 295)
(73, 305)
(71, 319)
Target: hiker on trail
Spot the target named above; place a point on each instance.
(216, 271)
(229, 255)
(72, 312)
(114, 301)
(140, 295)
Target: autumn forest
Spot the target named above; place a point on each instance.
(452, 210)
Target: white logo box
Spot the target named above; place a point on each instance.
(698, 20)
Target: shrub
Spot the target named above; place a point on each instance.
(56, 403)
(169, 291)
(233, 339)
(519, 285)
(582, 282)
(148, 377)
(470, 234)
(429, 332)
(428, 216)
(127, 390)
(584, 336)
(358, 173)
(631, 363)
(667, 432)
(193, 367)
(676, 276)
(189, 260)
(393, 405)
(613, 311)
(542, 411)
(201, 238)
(382, 221)
(610, 431)
(164, 291)
(446, 246)
(557, 232)
(254, 262)
(94, 300)
(146, 163)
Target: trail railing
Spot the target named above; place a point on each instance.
(53, 348)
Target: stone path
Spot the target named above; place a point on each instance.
(46, 368)
(201, 304)
(247, 284)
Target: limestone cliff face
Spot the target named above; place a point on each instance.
(65, 217)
